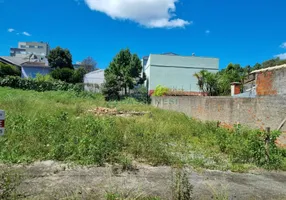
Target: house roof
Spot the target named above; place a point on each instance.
(170, 54)
(99, 71)
(269, 69)
(94, 77)
(35, 64)
(18, 61)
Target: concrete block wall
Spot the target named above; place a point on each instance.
(261, 112)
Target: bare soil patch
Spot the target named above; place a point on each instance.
(101, 111)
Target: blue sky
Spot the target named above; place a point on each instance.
(237, 31)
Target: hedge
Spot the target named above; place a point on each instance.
(41, 86)
(9, 70)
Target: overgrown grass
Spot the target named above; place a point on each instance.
(56, 126)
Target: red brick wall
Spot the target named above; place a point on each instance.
(237, 89)
(264, 84)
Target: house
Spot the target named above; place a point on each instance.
(93, 80)
(269, 81)
(31, 69)
(26, 49)
(16, 61)
(77, 65)
(176, 72)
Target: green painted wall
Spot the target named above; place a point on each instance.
(176, 72)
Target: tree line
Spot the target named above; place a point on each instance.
(124, 74)
(60, 60)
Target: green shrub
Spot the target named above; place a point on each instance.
(69, 75)
(64, 74)
(243, 145)
(181, 187)
(9, 70)
(254, 150)
(43, 78)
(78, 75)
(141, 94)
(160, 91)
(39, 84)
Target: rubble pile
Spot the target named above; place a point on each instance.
(101, 111)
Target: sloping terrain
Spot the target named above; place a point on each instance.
(75, 130)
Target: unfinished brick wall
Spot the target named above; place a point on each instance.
(264, 83)
(271, 82)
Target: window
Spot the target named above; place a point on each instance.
(31, 46)
(40, 47)
(23, 46)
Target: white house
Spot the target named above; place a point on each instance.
(93, 80)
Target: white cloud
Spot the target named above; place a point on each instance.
(282, 56)
(283, 45)
(26, 33)
(11, 30)
(149, 13)
(208, 32)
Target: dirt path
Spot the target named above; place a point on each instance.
(51, 180)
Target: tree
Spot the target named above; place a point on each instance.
(78, 75)
(89, 64)
(125, 70)
(9, 70)
(60, 58)
(111, 87)
(207, 82)
(270, 63)
(219, 83)
(64, 74)
(69, 75)
(257, 66)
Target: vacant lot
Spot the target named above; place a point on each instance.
(124, 146)
(67, 126)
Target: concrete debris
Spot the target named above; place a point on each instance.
(101, 111)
